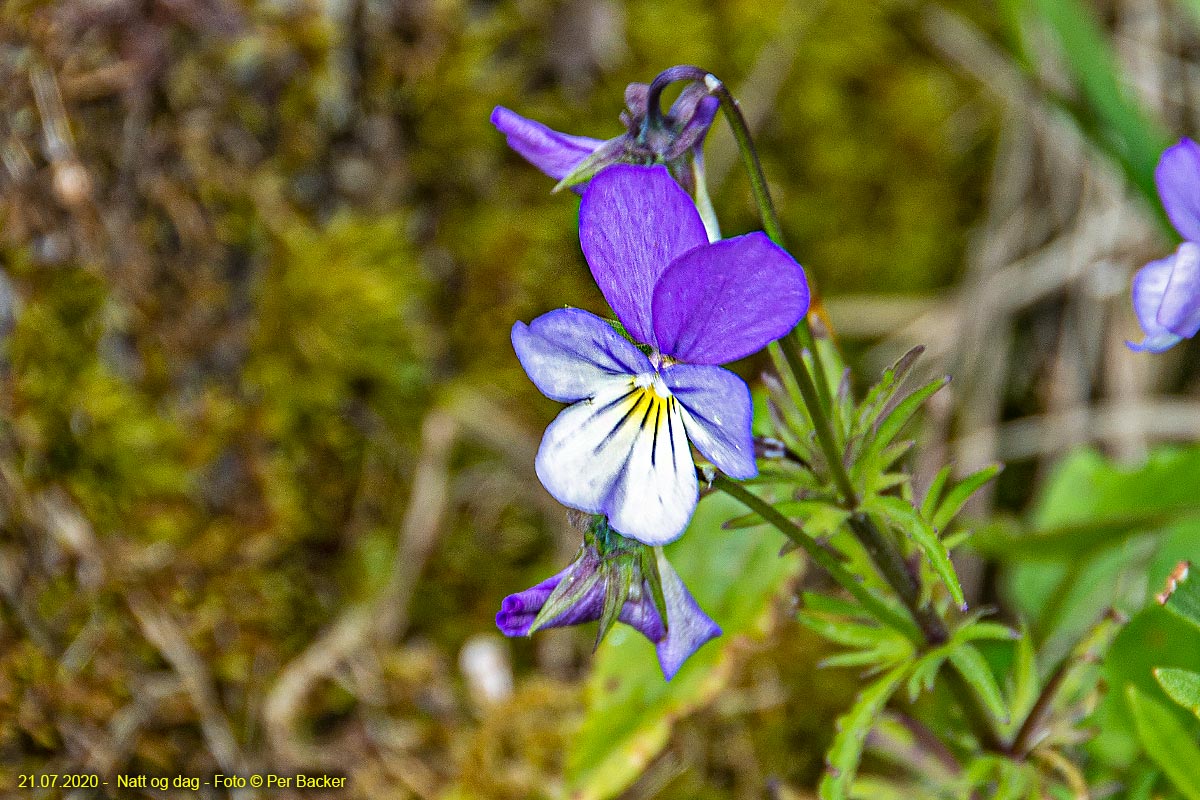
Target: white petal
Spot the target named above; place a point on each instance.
(625, 454)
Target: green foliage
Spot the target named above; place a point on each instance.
(901, 516)
(1105, 536)
(1098, 533)
(1169, 744)
(943, 501)
(1181, 686)
(852, 727)
(1151, 640)
(871, 644)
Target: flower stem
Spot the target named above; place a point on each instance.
(758, 186)
(741, 132)
(825, 433)
(816, 395)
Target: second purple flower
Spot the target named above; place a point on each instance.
(621, 449)
(1166, 292)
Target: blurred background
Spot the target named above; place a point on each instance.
(266, 455)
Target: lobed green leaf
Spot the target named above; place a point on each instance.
(975, 671)
(905, 517)
(845, 753)
(957, 497)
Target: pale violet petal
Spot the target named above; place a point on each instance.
(518, 611)
(1179, 311)
(554, 153)
(1149, 287)
(1178, 178)
(717, 412)
(570, 354)
(688, 626)
(723, 301)
(624, 454)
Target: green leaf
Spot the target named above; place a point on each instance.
(975, 670)
(845, 632)
(1151, 639)
(818, 518)
(925, 670)
(1068, 542)
(826, 604)
(958, 496)
(1141, 786)
(1181, 685)
(1096, 526)
(871, 644)
(891, 425)
(1166, 741)
(1025, 683)
(905, 517)
(981, 631)
(872, 788)
(845, 753)
(933, 495)
(878, 396)
(630, 709)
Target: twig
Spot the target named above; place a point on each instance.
(384, 618)
(164, 634)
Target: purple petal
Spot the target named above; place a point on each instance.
(1178, 179)
(552, 152)
(517, 611)
(1179, 311)
(696, 108)
(639, 613)
(633, 222)
(1149, 287)
(724, 301)
(687, 626)
(717, 415)
(623, 453)
(571, 354)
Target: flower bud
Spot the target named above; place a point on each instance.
(674, 139)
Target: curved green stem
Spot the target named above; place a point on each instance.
(826, 436)
(741, 132)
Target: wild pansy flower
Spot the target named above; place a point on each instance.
(1166, 293)
(572, 160)
(615, 579)
(621, 449)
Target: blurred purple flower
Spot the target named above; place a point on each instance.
(612, 570)
(1166, 293)
(574, 159)
(621, 449)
